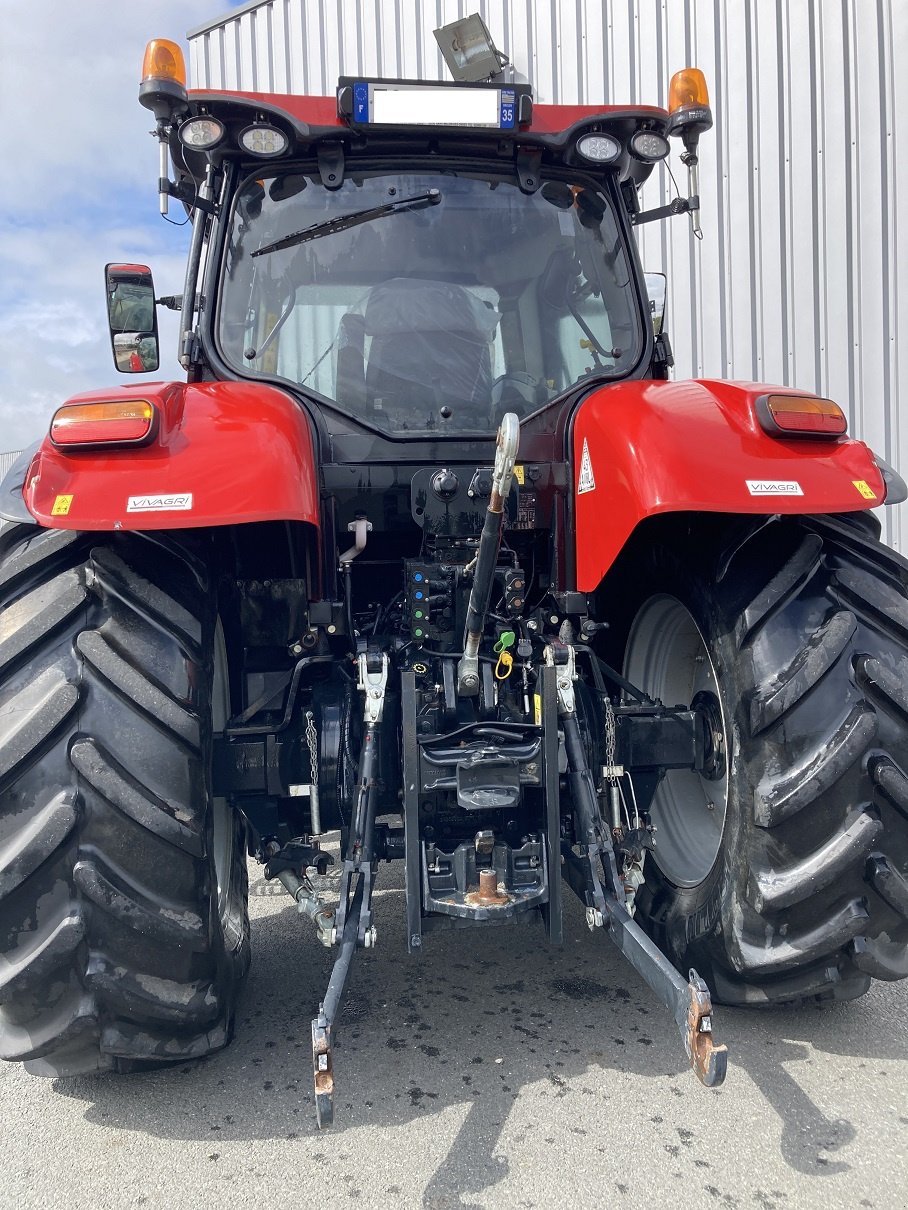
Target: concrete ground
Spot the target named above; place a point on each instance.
(490, 1072)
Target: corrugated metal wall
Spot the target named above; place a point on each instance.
(6, 461)
(799, 276)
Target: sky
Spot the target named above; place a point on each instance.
(79, 191)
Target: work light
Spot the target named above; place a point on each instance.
(201, 134)
(263, 140)
(649, 146)
(602, 148)
(468, 49)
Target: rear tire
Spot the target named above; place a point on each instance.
(124, 931)
(799, 889)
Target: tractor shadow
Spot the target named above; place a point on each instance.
(478, 1018)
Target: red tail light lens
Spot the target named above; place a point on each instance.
(801, 415)
(126, 422)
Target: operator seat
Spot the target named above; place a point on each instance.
(350, 389)
(430, 346)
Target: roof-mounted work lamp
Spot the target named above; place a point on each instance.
(163, 91)
(689, 117)
(468, 49)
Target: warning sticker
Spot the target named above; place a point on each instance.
(519, 474)
(172, 502)
(585, 482)
(61, 507)
(774, 487)
(865, 489)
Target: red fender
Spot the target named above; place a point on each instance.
(222, 453)
(660, 447)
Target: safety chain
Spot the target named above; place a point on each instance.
(312, 741)
(314, 806)
(610, 769)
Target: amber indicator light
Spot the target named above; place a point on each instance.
(127, 422)
(805, 415)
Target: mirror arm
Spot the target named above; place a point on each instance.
(184, 192)
(678, 205)
(161, 131)
(693, 183)
(189, 347)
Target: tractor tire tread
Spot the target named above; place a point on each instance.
(797, 571)
(40, 835)
(774, 888)
(114, 953)
(28, 621)
(808, 898)
(785, 689)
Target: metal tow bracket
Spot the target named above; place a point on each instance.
(708, 1060)
(323, 1073)
(353, 925)
(323, 1026)
(606, 903)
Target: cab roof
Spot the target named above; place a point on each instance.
(550, 137)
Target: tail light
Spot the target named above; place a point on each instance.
(124, 422)
(801, 416)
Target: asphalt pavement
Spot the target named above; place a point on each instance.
(492, 1071)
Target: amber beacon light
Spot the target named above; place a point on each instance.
(163, 91)
(688, 107)
(163, 87)
(688, 90)
(163, 61)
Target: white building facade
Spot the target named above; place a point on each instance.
(804, 179)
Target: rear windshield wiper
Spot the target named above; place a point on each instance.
(418, 202)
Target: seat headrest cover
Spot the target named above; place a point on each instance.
(403, 305)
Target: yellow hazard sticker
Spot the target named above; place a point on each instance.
(865, 489)
(519, 475)
(62, 506)
(537, 709)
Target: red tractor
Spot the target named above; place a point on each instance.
(645, 641)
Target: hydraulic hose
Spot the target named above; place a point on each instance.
(487, 555)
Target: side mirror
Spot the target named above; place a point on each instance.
(656, 284)
(132, 318)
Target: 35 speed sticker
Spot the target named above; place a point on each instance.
(170, 502)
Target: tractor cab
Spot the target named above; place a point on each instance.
(416, 258)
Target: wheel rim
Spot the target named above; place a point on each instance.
(668, 657)
(223, 829)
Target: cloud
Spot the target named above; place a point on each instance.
(69, 83)
(79, 191)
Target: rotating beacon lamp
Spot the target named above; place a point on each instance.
(690, 116)
(163, 91)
